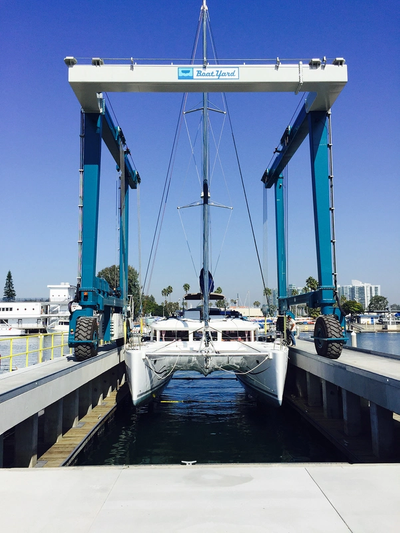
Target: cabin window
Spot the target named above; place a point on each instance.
(198, 335)
(236, 335)
(169, 336)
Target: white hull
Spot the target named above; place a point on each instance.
(9, 331)
(58, 326)
(260, 367)
(57, 329)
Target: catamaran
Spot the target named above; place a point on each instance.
(206, 339)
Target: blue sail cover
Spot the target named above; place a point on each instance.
(210, 282)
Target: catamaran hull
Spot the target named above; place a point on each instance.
(261, 369)
(266, 384)
(144, 383)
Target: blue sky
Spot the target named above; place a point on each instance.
(40, 140)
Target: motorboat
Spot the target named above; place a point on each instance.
(10, 331)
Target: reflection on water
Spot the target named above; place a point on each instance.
(208, 420)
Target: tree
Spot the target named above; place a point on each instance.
(256, 303)
(165, 293)
(172, 308)
(273, 309)
(186, 288)
(111, 275)
(314, 312)
(378, 303)
(151, 307)
(267, 292)
(220, 303)
(395, 307)
(351, 307)
(311, 284)
(9, 292)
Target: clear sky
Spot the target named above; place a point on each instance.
(39, 160)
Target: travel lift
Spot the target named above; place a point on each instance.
(328, 332)
(322, 81)
(99, 312)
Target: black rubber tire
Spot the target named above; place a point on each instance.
(328, 326)
(86, 330)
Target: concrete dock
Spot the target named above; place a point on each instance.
(222, 498)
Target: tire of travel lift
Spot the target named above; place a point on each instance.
(328, 326)
(86, 330)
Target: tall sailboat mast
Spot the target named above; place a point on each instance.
(206, 246)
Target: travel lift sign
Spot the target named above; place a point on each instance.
(193, 73)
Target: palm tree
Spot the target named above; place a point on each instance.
(311, 283)
(267, 293)
(186, 288)
(295, 292)
(256, 304)
(165, 292)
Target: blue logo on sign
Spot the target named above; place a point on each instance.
(185, 73)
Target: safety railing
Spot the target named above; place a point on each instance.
(23, 351)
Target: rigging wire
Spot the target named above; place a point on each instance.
(168, 178)
(239, 166)
(164, 198)
(187, 243)
(139, 251)
(289, 124)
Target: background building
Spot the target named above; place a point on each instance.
(359, 291)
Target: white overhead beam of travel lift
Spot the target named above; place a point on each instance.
(323, 81)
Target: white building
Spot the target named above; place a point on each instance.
(359, 291)
(34, 316)
(60, 296)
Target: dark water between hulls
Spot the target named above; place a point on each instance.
(208, 420)
(212, 420)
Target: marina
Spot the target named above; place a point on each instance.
(286, 418)
(359, 497)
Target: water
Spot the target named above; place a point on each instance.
(52, 346)
(211, 420)
(208, 420)
(384, 342)
(388, 342)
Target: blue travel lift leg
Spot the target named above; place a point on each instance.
(328, 334)
(99, 311)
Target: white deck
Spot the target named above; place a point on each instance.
(233, 499)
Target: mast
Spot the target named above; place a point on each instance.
(206, 251)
